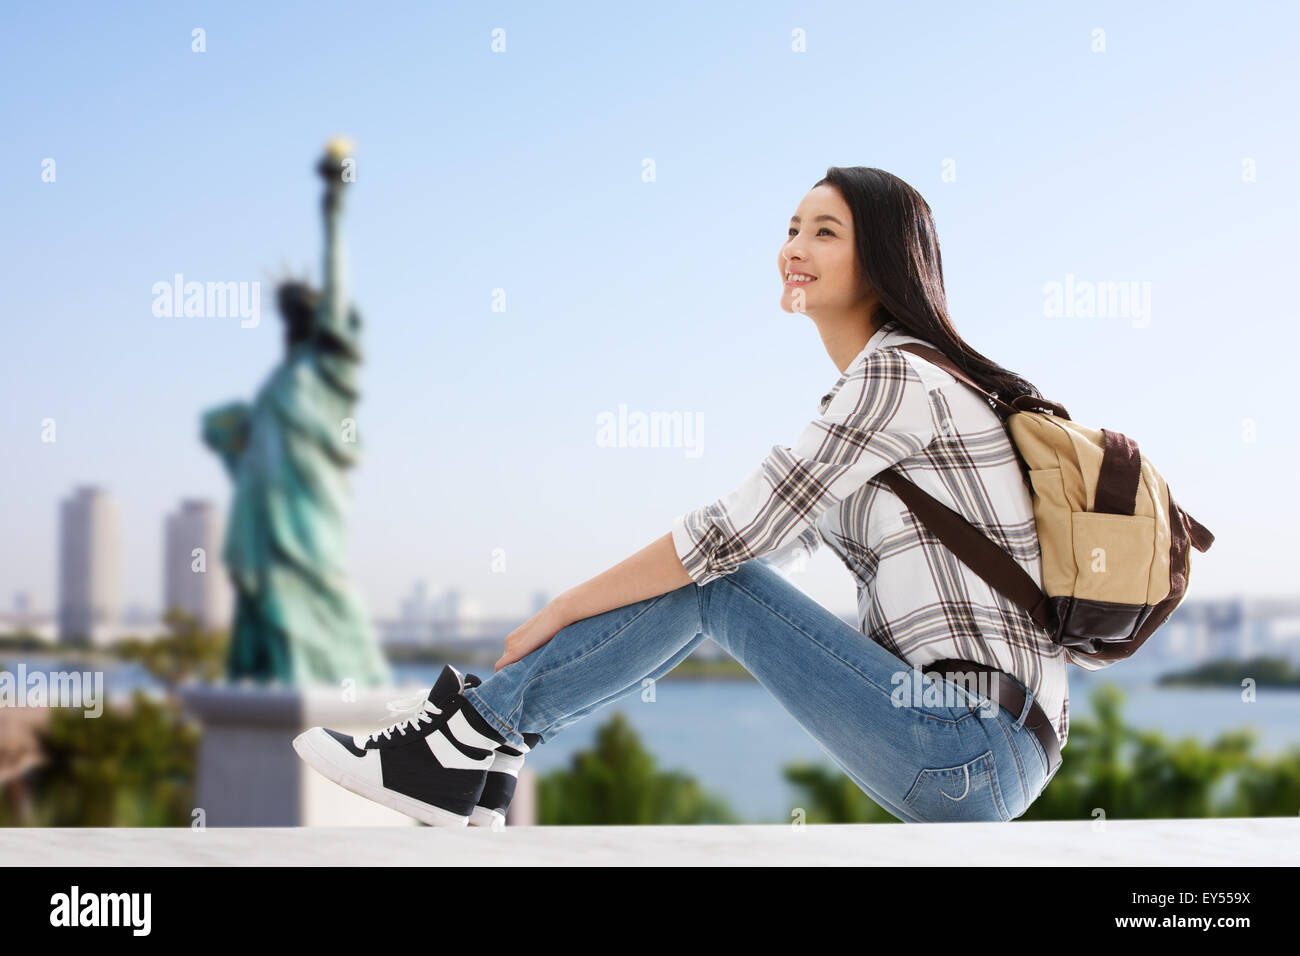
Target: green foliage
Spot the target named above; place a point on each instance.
(1132, 774)
(25, 641)
(828, 796)
(1108, 765)
(1230, 672)
(720, 668)
(1268, 788)
(616, 783)
(131, 766)
(187, 652)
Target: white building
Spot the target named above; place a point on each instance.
(194, 577)
(416, 607)
(90, 565)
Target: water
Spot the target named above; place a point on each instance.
(735, 738)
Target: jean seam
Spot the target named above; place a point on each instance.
(997, 789)
(812, 637)
(487, 713)
(1027, 709)
(557, 665)
(1015, 752)
(897, 810)
(1042, 751)
(591, 650)
(866, 678)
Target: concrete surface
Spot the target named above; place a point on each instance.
(1236, 842)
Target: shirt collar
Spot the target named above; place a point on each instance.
(876, 340)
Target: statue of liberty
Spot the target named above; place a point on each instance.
(298, 619)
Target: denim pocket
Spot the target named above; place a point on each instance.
(966, 793)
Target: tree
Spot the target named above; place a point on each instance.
(616, 783)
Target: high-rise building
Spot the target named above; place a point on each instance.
(194, 577)
(416, 607)
(90, 566)
(447, 606)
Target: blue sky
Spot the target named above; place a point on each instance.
(522, 171)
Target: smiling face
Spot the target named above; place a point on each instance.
(820, 244)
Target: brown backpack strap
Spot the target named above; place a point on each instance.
(973, 547)
(1119, 477)
(1201, 536)
(980, 554)
(1021, 403)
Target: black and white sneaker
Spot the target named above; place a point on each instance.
(432, 765)
(499, 789)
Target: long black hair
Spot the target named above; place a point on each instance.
(898, 257)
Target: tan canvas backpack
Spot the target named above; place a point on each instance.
(1115, 545)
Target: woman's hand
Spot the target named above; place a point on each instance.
(652, 571)
(532, 634)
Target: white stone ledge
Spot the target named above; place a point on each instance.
(1211, 842)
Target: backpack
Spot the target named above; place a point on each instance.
(1114, 544)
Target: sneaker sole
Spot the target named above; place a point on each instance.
(424, 812)
(485, 817)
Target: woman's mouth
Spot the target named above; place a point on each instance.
(798, 278)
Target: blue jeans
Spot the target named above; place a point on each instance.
(927, 759)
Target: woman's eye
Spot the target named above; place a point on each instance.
(791, 231)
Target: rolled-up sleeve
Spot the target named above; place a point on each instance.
(880, 415)
(795, 552)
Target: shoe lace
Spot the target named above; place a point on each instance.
(414, 710)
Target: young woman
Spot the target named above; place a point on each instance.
(861, 261)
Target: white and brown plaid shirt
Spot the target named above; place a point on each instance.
(915, 597)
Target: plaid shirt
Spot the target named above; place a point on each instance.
(915, 597)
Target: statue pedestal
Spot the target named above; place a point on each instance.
(249, 775)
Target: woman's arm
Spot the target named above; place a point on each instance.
(879, 417)
(652, 571)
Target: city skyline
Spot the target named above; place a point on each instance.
(90, 573)
(91, 599)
